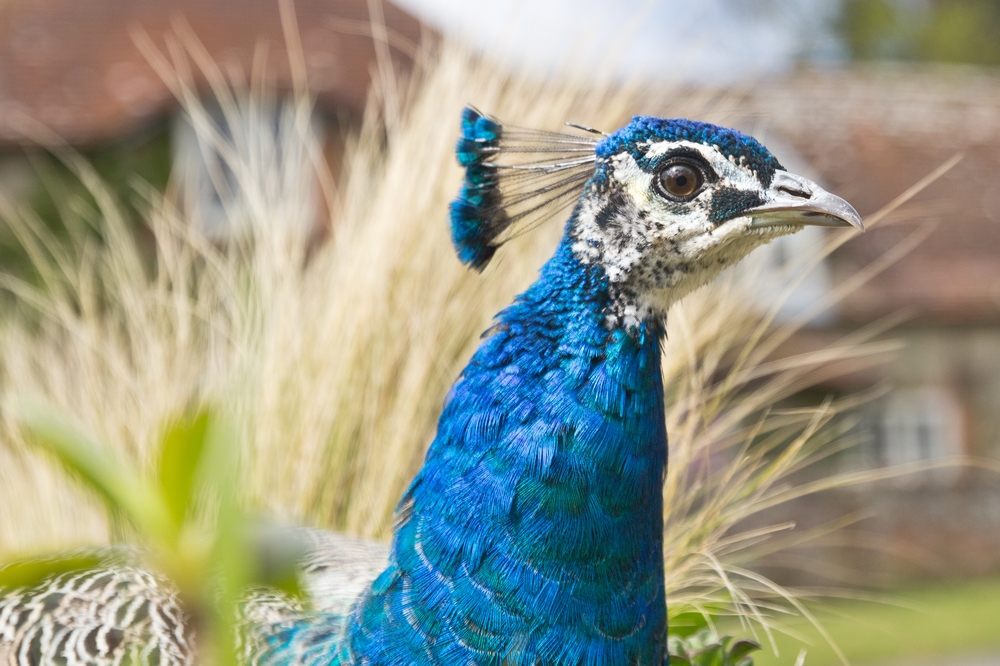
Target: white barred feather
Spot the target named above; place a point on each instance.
(123, 613)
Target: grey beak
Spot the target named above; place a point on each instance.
(796, 200)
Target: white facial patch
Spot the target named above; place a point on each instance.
(618, 241)
(728, 168)
(653, 249)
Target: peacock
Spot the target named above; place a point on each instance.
(533, 532)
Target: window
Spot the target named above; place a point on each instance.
(780, 263)
(913, 425)
(257, 170)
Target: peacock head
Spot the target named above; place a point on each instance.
(662, 205)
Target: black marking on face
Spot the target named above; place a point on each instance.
(611, 213)
(730, 202)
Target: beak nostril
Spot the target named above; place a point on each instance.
(795, 200)
(802, 193)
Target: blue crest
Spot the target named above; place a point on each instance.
(745, 150)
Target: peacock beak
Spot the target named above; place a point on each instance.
(794, 200)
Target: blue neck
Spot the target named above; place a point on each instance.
(533, 533)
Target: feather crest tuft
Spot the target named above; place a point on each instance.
(513, 176)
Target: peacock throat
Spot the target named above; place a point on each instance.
(533, 533)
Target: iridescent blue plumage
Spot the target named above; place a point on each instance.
(533, 532)
(548, 174)
(471, 211)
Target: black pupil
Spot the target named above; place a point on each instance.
(680, 180)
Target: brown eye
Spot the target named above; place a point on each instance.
(680, 180)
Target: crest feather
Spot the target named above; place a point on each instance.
(513, 176)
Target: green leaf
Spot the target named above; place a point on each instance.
(115, 484)
(741, 648)
(31, 572)
(181, 452)
(232, 557)
(278, 552)
(688, 624)
(712, 655)
(676, 647)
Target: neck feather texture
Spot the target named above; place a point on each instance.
(533, 533)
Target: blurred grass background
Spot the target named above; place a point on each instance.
(923, 624)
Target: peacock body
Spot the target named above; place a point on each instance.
(533, 532)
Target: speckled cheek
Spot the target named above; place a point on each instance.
(676, 221)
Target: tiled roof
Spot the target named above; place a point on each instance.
(74, 66)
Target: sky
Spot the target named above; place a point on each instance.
(705, 41)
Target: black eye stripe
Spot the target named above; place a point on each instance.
(729, 202)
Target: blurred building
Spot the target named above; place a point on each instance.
(82, 71)
(870, 134)
(75, 66)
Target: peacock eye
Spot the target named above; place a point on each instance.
(680, 180)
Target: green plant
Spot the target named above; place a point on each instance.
(707, 648)
(957, 31)
(210, 561)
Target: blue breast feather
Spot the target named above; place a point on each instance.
(533, 533)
